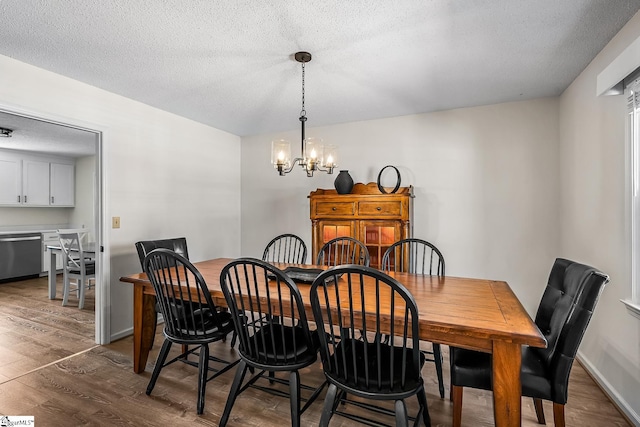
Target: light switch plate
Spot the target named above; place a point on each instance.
(115, 222)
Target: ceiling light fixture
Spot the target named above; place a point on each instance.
(315, 156)
(6, 133)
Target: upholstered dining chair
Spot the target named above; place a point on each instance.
(76, 265)
(190, 317)
(343, 250)
(273, 336)
(354, 306)
(286, 248)
(418, 256)
(176, 244)
(564, 312)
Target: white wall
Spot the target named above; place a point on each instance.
(32, 216)
(594, 228)
(163, 174)
(485, 183)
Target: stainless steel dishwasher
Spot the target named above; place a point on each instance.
(20, 255)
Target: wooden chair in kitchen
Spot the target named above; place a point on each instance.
(76, 264)
(287, 248)
(418, 256)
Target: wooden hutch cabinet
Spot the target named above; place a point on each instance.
(376, 219)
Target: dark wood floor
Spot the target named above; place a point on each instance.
(50, 368)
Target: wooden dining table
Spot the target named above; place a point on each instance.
(477, 314)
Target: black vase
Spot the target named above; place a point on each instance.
(343, 183)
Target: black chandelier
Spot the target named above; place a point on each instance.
(315, 155)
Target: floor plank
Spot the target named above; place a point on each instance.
(96, 386)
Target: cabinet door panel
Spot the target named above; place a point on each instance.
(10, 182)
(35, 183)
(378, 236)
(50, 238)
(330, 229)
(62, 184)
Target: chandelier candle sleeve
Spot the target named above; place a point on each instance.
(313, 153)
(281, 155)
(331, 156)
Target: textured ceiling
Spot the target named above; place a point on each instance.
(229, 64)
(46, 138)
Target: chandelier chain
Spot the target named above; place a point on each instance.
(303, 112)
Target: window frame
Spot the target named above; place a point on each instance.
(632, 136)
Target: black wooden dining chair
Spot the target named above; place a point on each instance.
(414, 256)
(353, 306)
(190, 316)
(272, 329)
(563, 315)
(418, 256)
(343, 250)
(286, 248)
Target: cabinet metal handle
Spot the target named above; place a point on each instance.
(334, 208)
(25, 199)
(19, 239)
(18, 199)
(52, 200)
(378, 208)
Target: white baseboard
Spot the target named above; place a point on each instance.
(122, 334)
(129, 331)
(622, 404)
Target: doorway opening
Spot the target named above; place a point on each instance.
(48, 135)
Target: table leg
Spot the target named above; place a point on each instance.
(52, 274)
(507, 389)
(144, 327)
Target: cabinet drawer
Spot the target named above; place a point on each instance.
(50, 236)
(380, 208)
(335, 208)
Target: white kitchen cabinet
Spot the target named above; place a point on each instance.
(10, 181)
(35, 183)
(62, 184)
